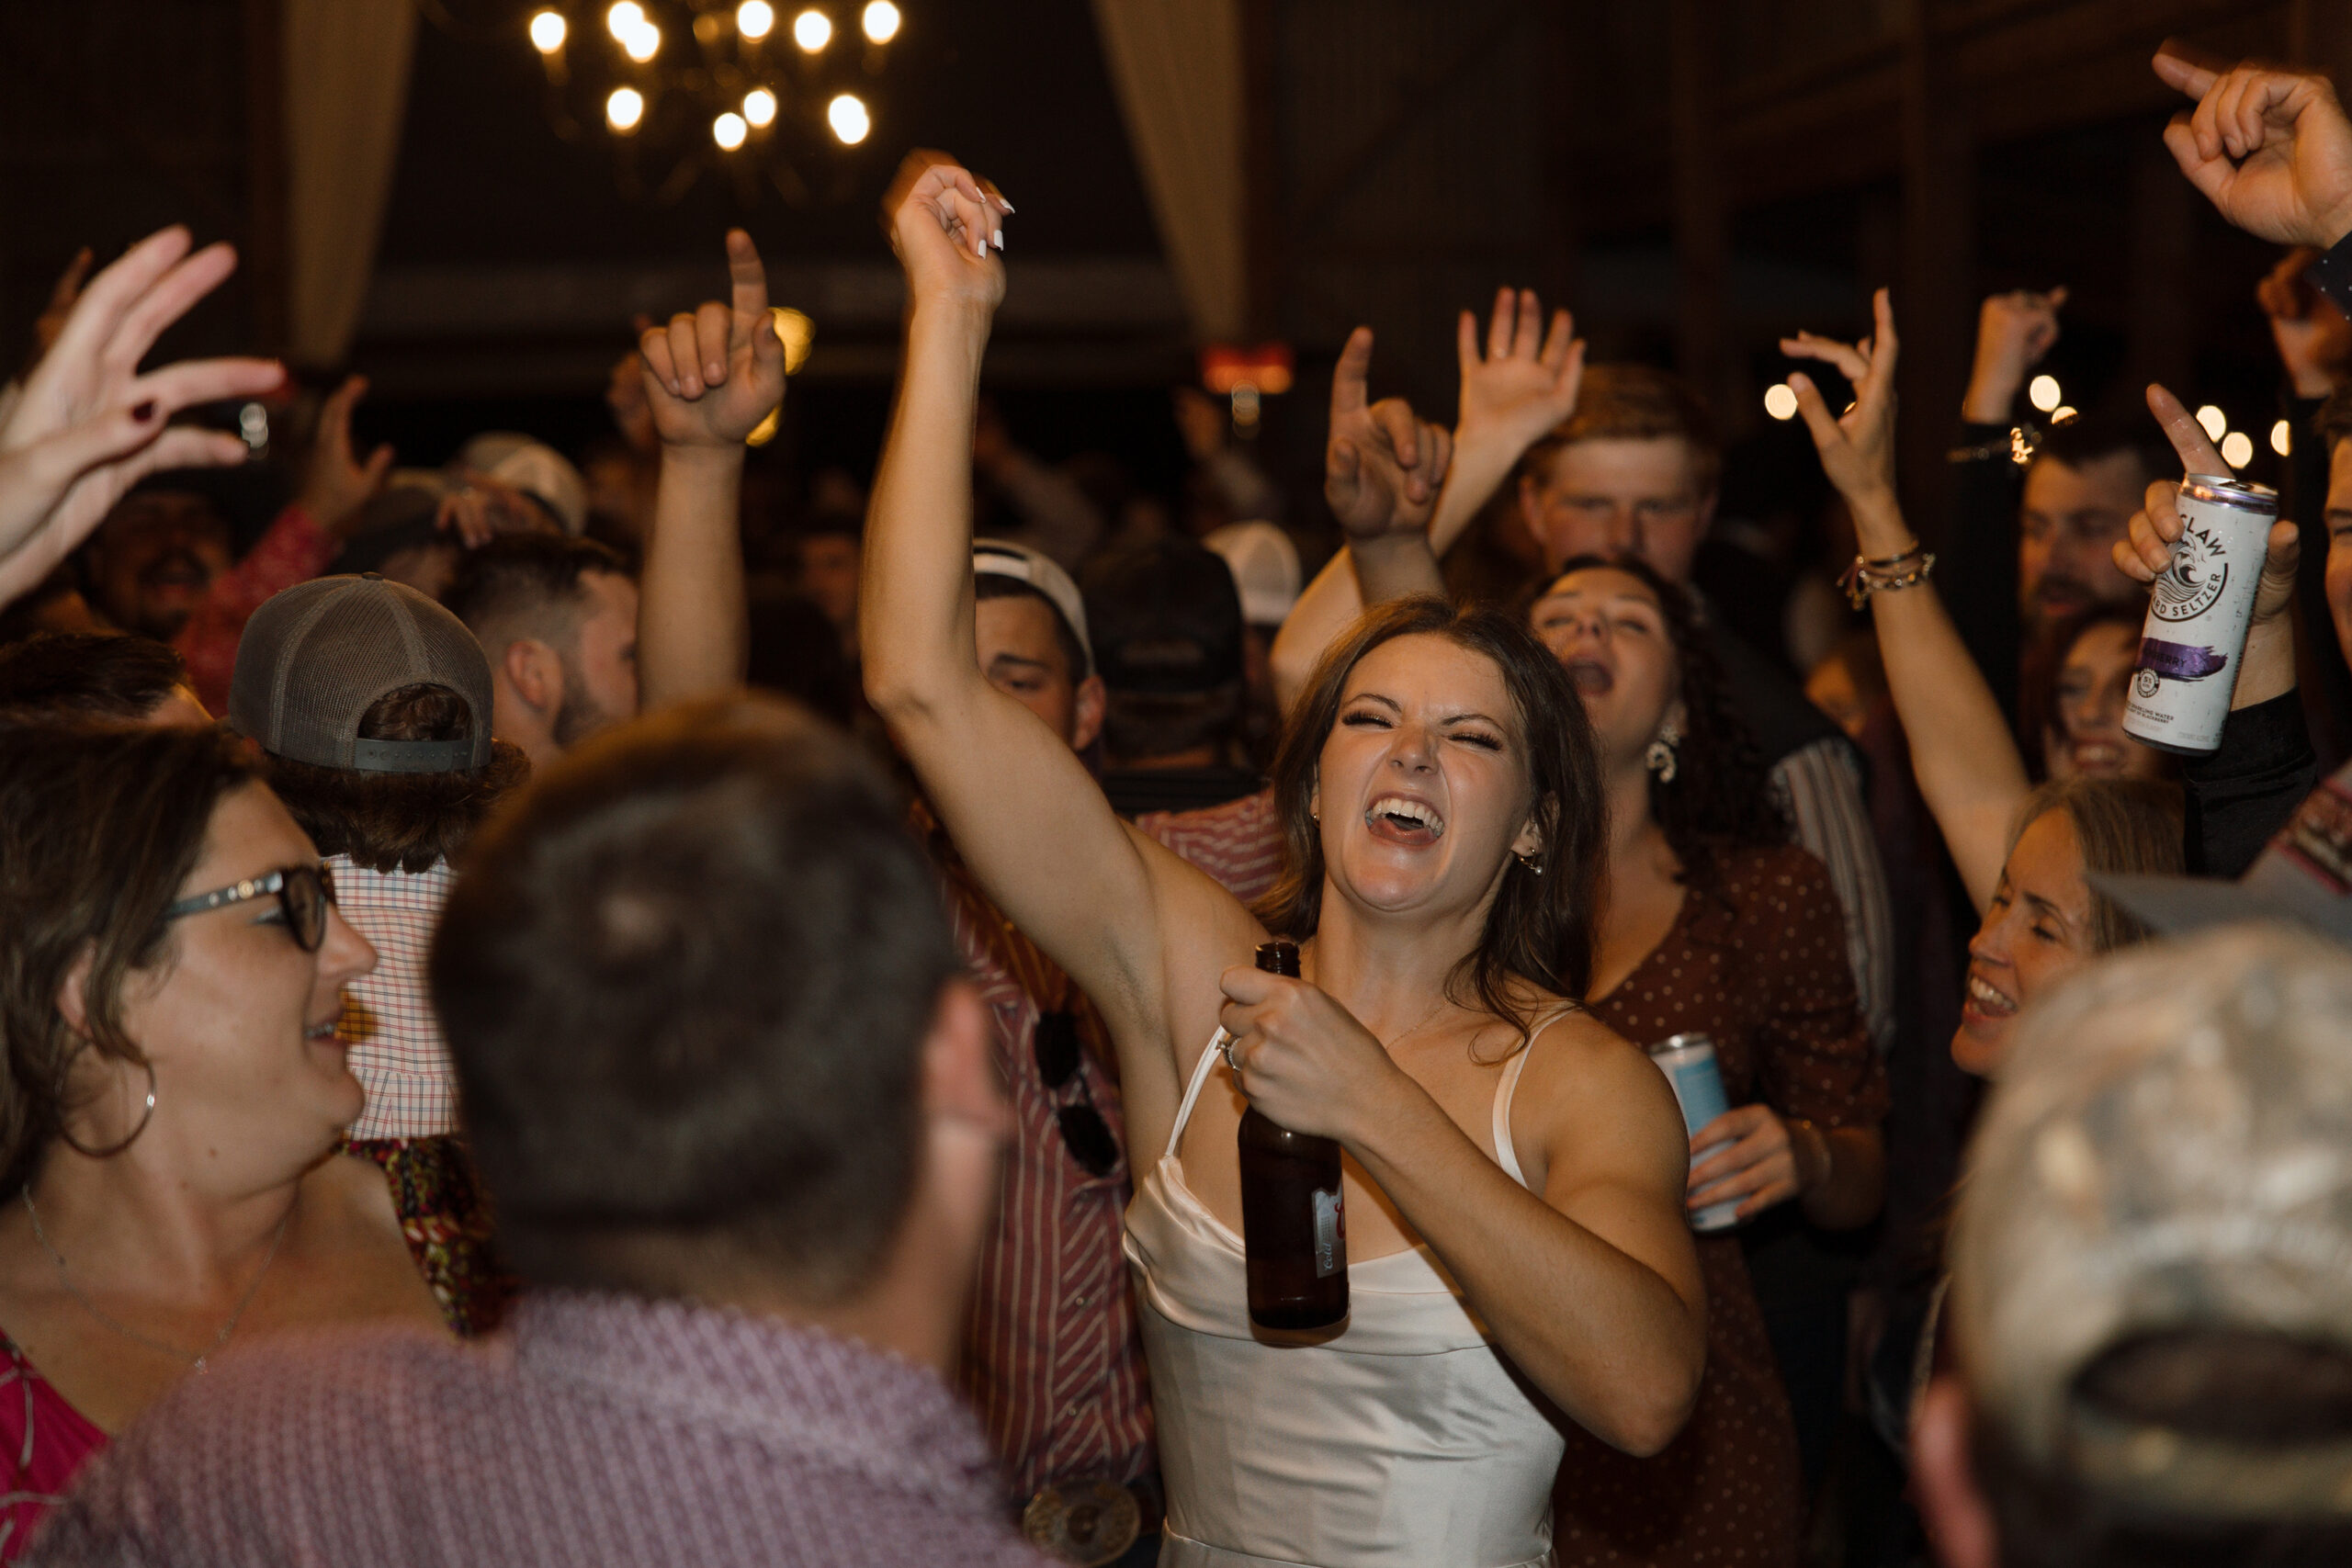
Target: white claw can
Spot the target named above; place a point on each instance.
(2195, 637)
(1689, 1063)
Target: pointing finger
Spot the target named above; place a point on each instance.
(2187, 437)
(1350, 375)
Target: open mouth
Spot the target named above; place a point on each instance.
(2097, 757)
(1591, 677)
(1986, 1000)
(1395, 819)
(178, 569)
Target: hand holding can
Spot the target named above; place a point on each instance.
(1689, 1063)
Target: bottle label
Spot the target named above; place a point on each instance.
(1330, 1235)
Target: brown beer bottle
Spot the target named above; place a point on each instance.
(1293, 1228)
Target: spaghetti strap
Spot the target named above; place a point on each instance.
(1193, 1092)
(1507, 1152)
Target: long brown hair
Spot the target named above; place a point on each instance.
(2122, 827)
(1539, 927)
(99, 825)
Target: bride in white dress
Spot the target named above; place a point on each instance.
(1514, 1172)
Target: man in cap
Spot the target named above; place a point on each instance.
(1168, 635)
(2150, 1307)
(1051, 1354)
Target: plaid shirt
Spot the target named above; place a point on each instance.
(1052, 1355)
(396, 1052)
(598, 1431)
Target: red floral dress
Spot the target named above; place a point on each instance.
(1758, 964)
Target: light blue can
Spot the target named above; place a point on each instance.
(1689, 1063)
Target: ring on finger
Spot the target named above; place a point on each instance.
(1224, 1048)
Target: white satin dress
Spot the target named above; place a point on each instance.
(1404, 1442)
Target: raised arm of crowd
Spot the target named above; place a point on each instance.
(478, 1084)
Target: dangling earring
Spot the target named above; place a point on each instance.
(1660, 757)
(1531, 863)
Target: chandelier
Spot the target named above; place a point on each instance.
(732, 89)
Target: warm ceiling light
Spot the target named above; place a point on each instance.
(2237, 449)
(2282, 439)
(759, 107)
(728, 130)
(2044, 393)
(1780, 402)
(2214, 420)
(625, 109)
(812, 30)
(796, 332)
(848, 117)
(881, 21)
(547, 31)
(624, 19)
(643, 43)
(754, 19)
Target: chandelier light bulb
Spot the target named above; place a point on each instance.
(624, 19)
(547, 31)
(2215, 421)
(643, 42)
(754, 19)
(625, 109)
(728, 130)
(812, 30)
(2044, 393)
(2282, 439)
(881, 21)
(846, 114)
(759, 107)
(1780, 402)
(2237, 449)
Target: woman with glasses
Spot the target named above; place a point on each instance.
(173, 1111)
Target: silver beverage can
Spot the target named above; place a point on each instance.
(1689, 1063)
(2198, 614)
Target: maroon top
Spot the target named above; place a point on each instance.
(1759, 965)
(597, 1429)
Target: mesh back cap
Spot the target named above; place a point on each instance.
(316, 657)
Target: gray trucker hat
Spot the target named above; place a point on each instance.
(315, 657)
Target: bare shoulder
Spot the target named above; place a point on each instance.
(1597, 1108)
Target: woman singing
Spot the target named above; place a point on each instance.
(1515, 1172)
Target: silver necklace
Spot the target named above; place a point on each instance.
(1395, 1039)
(197, 1360)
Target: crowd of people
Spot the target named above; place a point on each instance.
(526, 1040)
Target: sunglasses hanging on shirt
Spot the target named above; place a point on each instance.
(1084, 1132)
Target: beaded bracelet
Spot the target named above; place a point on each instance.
(1867, 577)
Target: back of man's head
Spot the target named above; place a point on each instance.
(2151, 1270)
(95, 675)
(2108, 433)
(528, 585)
(686, 985)
(1166, 624)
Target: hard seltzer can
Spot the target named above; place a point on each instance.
(2190, 648)
(1689, 1063)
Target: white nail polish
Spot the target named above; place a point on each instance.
(1006, 205)
(998, 239)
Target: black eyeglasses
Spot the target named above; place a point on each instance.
(304, 892)
(1084, 1132)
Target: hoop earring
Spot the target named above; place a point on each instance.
(146, 1116)
(1660, 757)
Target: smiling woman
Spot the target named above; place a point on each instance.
(175, 1093)
(1513, 1171)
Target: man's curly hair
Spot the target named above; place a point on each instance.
(1722, 796)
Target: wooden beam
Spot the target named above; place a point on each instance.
(1701, 233)
(1939, 263)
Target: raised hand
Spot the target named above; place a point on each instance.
(2146, 552)
(2271, 149)
(1857, 446)
(713, 374)
(1525, 383)
(2314, 340)
(2013, 331)
(90, 424)
(943, 222)
(1382, 466)
(335, 484)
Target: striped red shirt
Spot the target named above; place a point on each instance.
(1239, 843)
(1051, 1355)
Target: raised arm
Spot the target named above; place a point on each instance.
(1523, 385)
(90, 423)
(711, 376)
(1023, 811)
(1965, 759)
